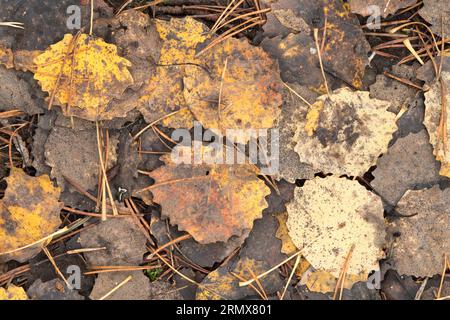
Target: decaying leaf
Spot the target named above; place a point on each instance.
(124, 243)
(13, 293)
(138, 288)
(205, 255)
(378, 7)
(345, 52)
(212, 202)
(293, 111)
(29, 212)
(223, 283)
(423, 232)
(54, 289)
(181, 41)
(398, 94)
(344, 133)
(408, 164)
(45, 21)
(16, 93)
(436, 12)
(433, 102)
(298, 59)
(330, 215)
(74, 154)
(90, 75)
(288, 247)
(238, 87)
(324, 282)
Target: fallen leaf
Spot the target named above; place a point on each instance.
(29, 212)
(52, 290)
(344, 133)
(13, 293)
(294, 111)
(432, 12)
(222, 284)
(398, 94)
(181, 40)
(384, 7)
(330, 215)
(138, 288)
(124, 242)
(408, 164)
(205, 255)
(90, 76)
(238, 87)
(423, 235)
(345, 54)
(325, 282)
(213, 201)
(287, 246)
(74, 154)
(433, 103)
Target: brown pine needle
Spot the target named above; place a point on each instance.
(441, 284)
(341, 281)
(319, 54)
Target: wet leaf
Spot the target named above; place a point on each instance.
(433, 102)
(345, 133)
(124, 242)
(423, 235)
(91, 76)
(213, 202)
(330, 215)
(384, 7)
(13, 293)
(29, 212)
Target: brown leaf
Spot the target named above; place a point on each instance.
(213, 202)
(423, 237)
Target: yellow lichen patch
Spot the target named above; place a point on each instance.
(13, 293)
(238, 87)
(330, 215)
(345, 133)
(213, 201)
(324, 282)
(83, 73)
(432, 120)
(28, 212)
(223, 283)
(312, 117)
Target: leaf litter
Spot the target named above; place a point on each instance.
(354, 136)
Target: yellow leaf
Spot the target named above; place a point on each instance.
(324, 282)
(90, 74)
(328, 216)
(29, 212)
(13, 293)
